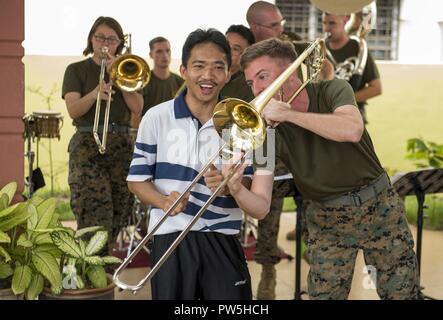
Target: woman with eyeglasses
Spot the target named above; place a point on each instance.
(99, 194)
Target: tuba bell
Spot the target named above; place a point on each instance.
(362, 20)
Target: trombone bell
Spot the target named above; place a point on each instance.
(130, 73)
(239, 124)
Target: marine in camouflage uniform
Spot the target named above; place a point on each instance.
(349, 201)
(349, 204)
(99, 193)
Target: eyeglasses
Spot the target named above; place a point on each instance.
(274, 25)
(236, 50)
(110, 40)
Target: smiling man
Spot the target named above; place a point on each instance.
(175, 141)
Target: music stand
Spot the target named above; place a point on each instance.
(419, 183)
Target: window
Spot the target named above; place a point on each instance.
(306, 20)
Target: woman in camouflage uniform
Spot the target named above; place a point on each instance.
(99, 194)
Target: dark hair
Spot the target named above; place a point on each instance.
(205, 36)
(111, 23)
(273, 47)
(156, 40)
(243, 32)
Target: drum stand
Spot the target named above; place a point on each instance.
(29, 122)
(248, 229)
(132, 232)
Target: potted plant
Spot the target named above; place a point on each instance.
(27, 255)
(83, 269)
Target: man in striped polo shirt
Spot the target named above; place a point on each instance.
(175, 140)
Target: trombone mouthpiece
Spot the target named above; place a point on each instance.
(104, 52)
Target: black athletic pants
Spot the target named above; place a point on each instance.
(205, 265)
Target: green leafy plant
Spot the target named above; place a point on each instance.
(81, 264)
(428, 154)
(35, 248)
(28, 256)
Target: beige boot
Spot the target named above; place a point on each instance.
(266, 287)
(290, 235)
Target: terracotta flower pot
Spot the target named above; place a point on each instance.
(7, 294)
(106, 293)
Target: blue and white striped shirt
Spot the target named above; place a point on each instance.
(171, 148)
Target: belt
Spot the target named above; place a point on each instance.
(360, 196)
(112, 128)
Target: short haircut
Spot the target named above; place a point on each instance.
(156, 40)
(255, 10)
(111, 23)
(273, 48)
(200, 36)
(243, 31)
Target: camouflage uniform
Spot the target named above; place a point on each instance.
(334, 234)
(99, 193)
(350, 205)
(267, 250)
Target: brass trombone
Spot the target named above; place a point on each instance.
(128, 73)
(246, 131)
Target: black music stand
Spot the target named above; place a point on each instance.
(420, 183)
(298, 231)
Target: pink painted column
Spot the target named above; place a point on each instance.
(12, 96)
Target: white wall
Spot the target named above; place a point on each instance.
(421, 34)
(61, 27)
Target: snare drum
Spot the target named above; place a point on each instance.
(47, 124)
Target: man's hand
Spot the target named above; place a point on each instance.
(276, 112)
(235, 183)
(213, 178)
(169, 200)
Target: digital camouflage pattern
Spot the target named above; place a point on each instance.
(379, 228)
(99, 193)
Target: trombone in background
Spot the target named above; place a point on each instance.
(246, 131)
(128, 73)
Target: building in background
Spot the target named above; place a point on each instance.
(407, 31)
